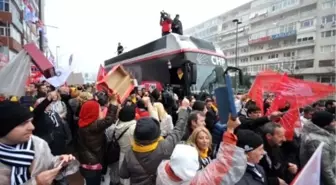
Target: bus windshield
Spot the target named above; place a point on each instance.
(208, 79)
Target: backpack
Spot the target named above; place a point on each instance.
(113, 149)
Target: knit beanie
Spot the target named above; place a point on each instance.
(127, 113)
(322, 118)
(147, 130)
(184, 161)
(12, 114)
(248, 140)
(89, 113)
(198, 105)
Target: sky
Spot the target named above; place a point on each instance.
(91, 30)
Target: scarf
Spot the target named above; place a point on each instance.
(19, 157)
(203, 154)
(146, 148)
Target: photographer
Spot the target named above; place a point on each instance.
(177, 25)
(165, 22)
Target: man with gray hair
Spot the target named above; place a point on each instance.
(275, 164)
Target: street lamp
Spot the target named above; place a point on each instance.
(57, 48)
(237, 22)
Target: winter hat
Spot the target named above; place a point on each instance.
(198, 105)
(248, 140)
(322, 118)
(127, 113)
(147, 130)
(184, 161)
(89, 113)
(12, 114)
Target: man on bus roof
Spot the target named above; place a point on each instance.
(177, 25)
(165, 22)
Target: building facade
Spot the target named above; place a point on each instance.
(14, 31)
(293, 36)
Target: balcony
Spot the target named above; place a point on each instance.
(270, 14)
(284, 47)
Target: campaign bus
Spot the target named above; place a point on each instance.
(193, 64)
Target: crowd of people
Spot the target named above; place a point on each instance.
(153, 138)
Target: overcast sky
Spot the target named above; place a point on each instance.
(91, 29)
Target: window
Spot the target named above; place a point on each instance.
(327, 63)
(329, 18)
(257, 58)
(307, 23)
(244, 50)
(326, 79)
(224, 26)
(273, 56)
(305, 64)
(4, 5)
(3, 31)
(330, 33)
(287, 54)
(329, 4)
(288, 27)
(328, 48)
(244, 60)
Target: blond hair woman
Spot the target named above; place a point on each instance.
(201, 138)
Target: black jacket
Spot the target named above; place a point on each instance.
(252, 124)
(251, 178)
(275, 164)
(50, 127)
(177, 27)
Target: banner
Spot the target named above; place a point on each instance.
(15, 74)
(62, 74)
(311, 172)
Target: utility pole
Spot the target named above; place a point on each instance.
(41, 40)
(57, 48)
(237, 22)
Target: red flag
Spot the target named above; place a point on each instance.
(264, 82)
(298, 93)
(101, 73)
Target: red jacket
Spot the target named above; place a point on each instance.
(166, 25)
(140, 113)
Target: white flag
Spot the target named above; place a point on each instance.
(14, 75)
(62, 74)
(311, 172)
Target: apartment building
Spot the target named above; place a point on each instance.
(293, 36)
(14, 31)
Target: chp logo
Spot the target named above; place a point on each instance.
(210, 60)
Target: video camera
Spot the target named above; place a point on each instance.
(164, 15)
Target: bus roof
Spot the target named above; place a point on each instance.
(164, 46)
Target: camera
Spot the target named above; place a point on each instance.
(164, 15)
(102, 98)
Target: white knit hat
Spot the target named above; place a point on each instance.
(184, 161)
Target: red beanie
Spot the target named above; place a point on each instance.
(88, 113)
